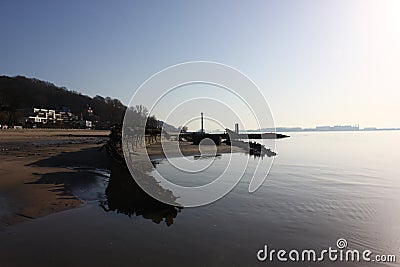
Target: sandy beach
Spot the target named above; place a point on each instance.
(27, 156)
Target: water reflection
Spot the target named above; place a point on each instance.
(123, 195)
(111, 185)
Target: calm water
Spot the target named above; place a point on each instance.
(322, 186)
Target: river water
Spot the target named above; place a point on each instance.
(321, 187)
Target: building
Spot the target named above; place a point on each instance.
(54, 117)
(43, 116)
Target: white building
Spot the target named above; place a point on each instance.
(43, 116)
(50, 116)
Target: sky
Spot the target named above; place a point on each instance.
(317, 62)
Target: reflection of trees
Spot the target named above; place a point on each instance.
(125, 196)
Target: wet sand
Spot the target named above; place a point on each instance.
(29, 155)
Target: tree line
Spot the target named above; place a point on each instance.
(19, 95)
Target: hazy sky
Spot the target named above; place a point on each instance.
(317, 62)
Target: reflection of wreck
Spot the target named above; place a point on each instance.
(125, 196)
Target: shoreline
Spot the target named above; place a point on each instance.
(36, 170)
